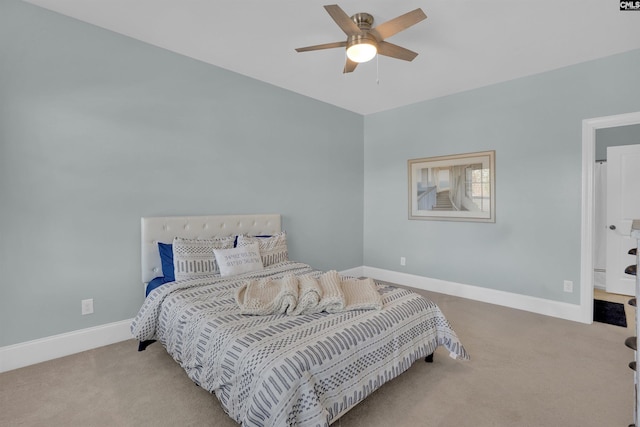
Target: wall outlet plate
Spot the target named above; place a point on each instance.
(87, 306)
(568, 286)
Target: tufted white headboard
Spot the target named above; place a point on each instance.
(163, 229)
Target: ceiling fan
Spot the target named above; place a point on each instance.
(364, 42)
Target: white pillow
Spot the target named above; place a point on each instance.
(242, 259)
(194, 257)
(273, 249)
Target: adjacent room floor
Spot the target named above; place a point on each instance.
(622, 299)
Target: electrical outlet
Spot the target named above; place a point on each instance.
(87, 306)
(403, 261)
(568, 286)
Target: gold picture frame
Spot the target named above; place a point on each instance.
(459, 187)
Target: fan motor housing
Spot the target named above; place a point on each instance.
(362, 38)
(363, 20)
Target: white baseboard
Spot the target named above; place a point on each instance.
(547, 307)
(40, 350)
(49, 348)
(32, 352)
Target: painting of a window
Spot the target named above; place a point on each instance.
(459, 187)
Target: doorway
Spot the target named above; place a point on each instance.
(589, 127)
(623, 205)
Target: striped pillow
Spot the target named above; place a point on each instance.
(194, 257)
(273, 249)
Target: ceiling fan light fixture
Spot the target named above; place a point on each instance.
(365, 42)
(362, 50)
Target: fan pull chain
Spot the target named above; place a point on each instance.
(377, 70)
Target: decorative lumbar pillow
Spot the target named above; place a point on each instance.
(242, 259)
(273, 249)
(194, 257)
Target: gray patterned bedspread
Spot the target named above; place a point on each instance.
(284, 370)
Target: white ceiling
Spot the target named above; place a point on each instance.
(462, 45)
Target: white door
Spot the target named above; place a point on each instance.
(623, 206)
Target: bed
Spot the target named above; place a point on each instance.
(278, 369)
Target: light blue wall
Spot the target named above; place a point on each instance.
(97, 130)
(534, 124)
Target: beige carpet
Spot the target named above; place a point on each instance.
(526, 370)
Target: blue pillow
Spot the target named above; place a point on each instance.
(157, 282)
(166, 258)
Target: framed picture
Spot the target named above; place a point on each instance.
(459, 187)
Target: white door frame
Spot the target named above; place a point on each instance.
(589, 127)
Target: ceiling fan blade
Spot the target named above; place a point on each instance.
(343, 20)
(349, 66)
(395, 51)
(321, 46)
(395, 25)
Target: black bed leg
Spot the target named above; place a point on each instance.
(142, 345)
(429, 358)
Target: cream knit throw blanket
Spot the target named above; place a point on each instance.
(333, 298)
(309, 295)
(264, 296)
(295, 295)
